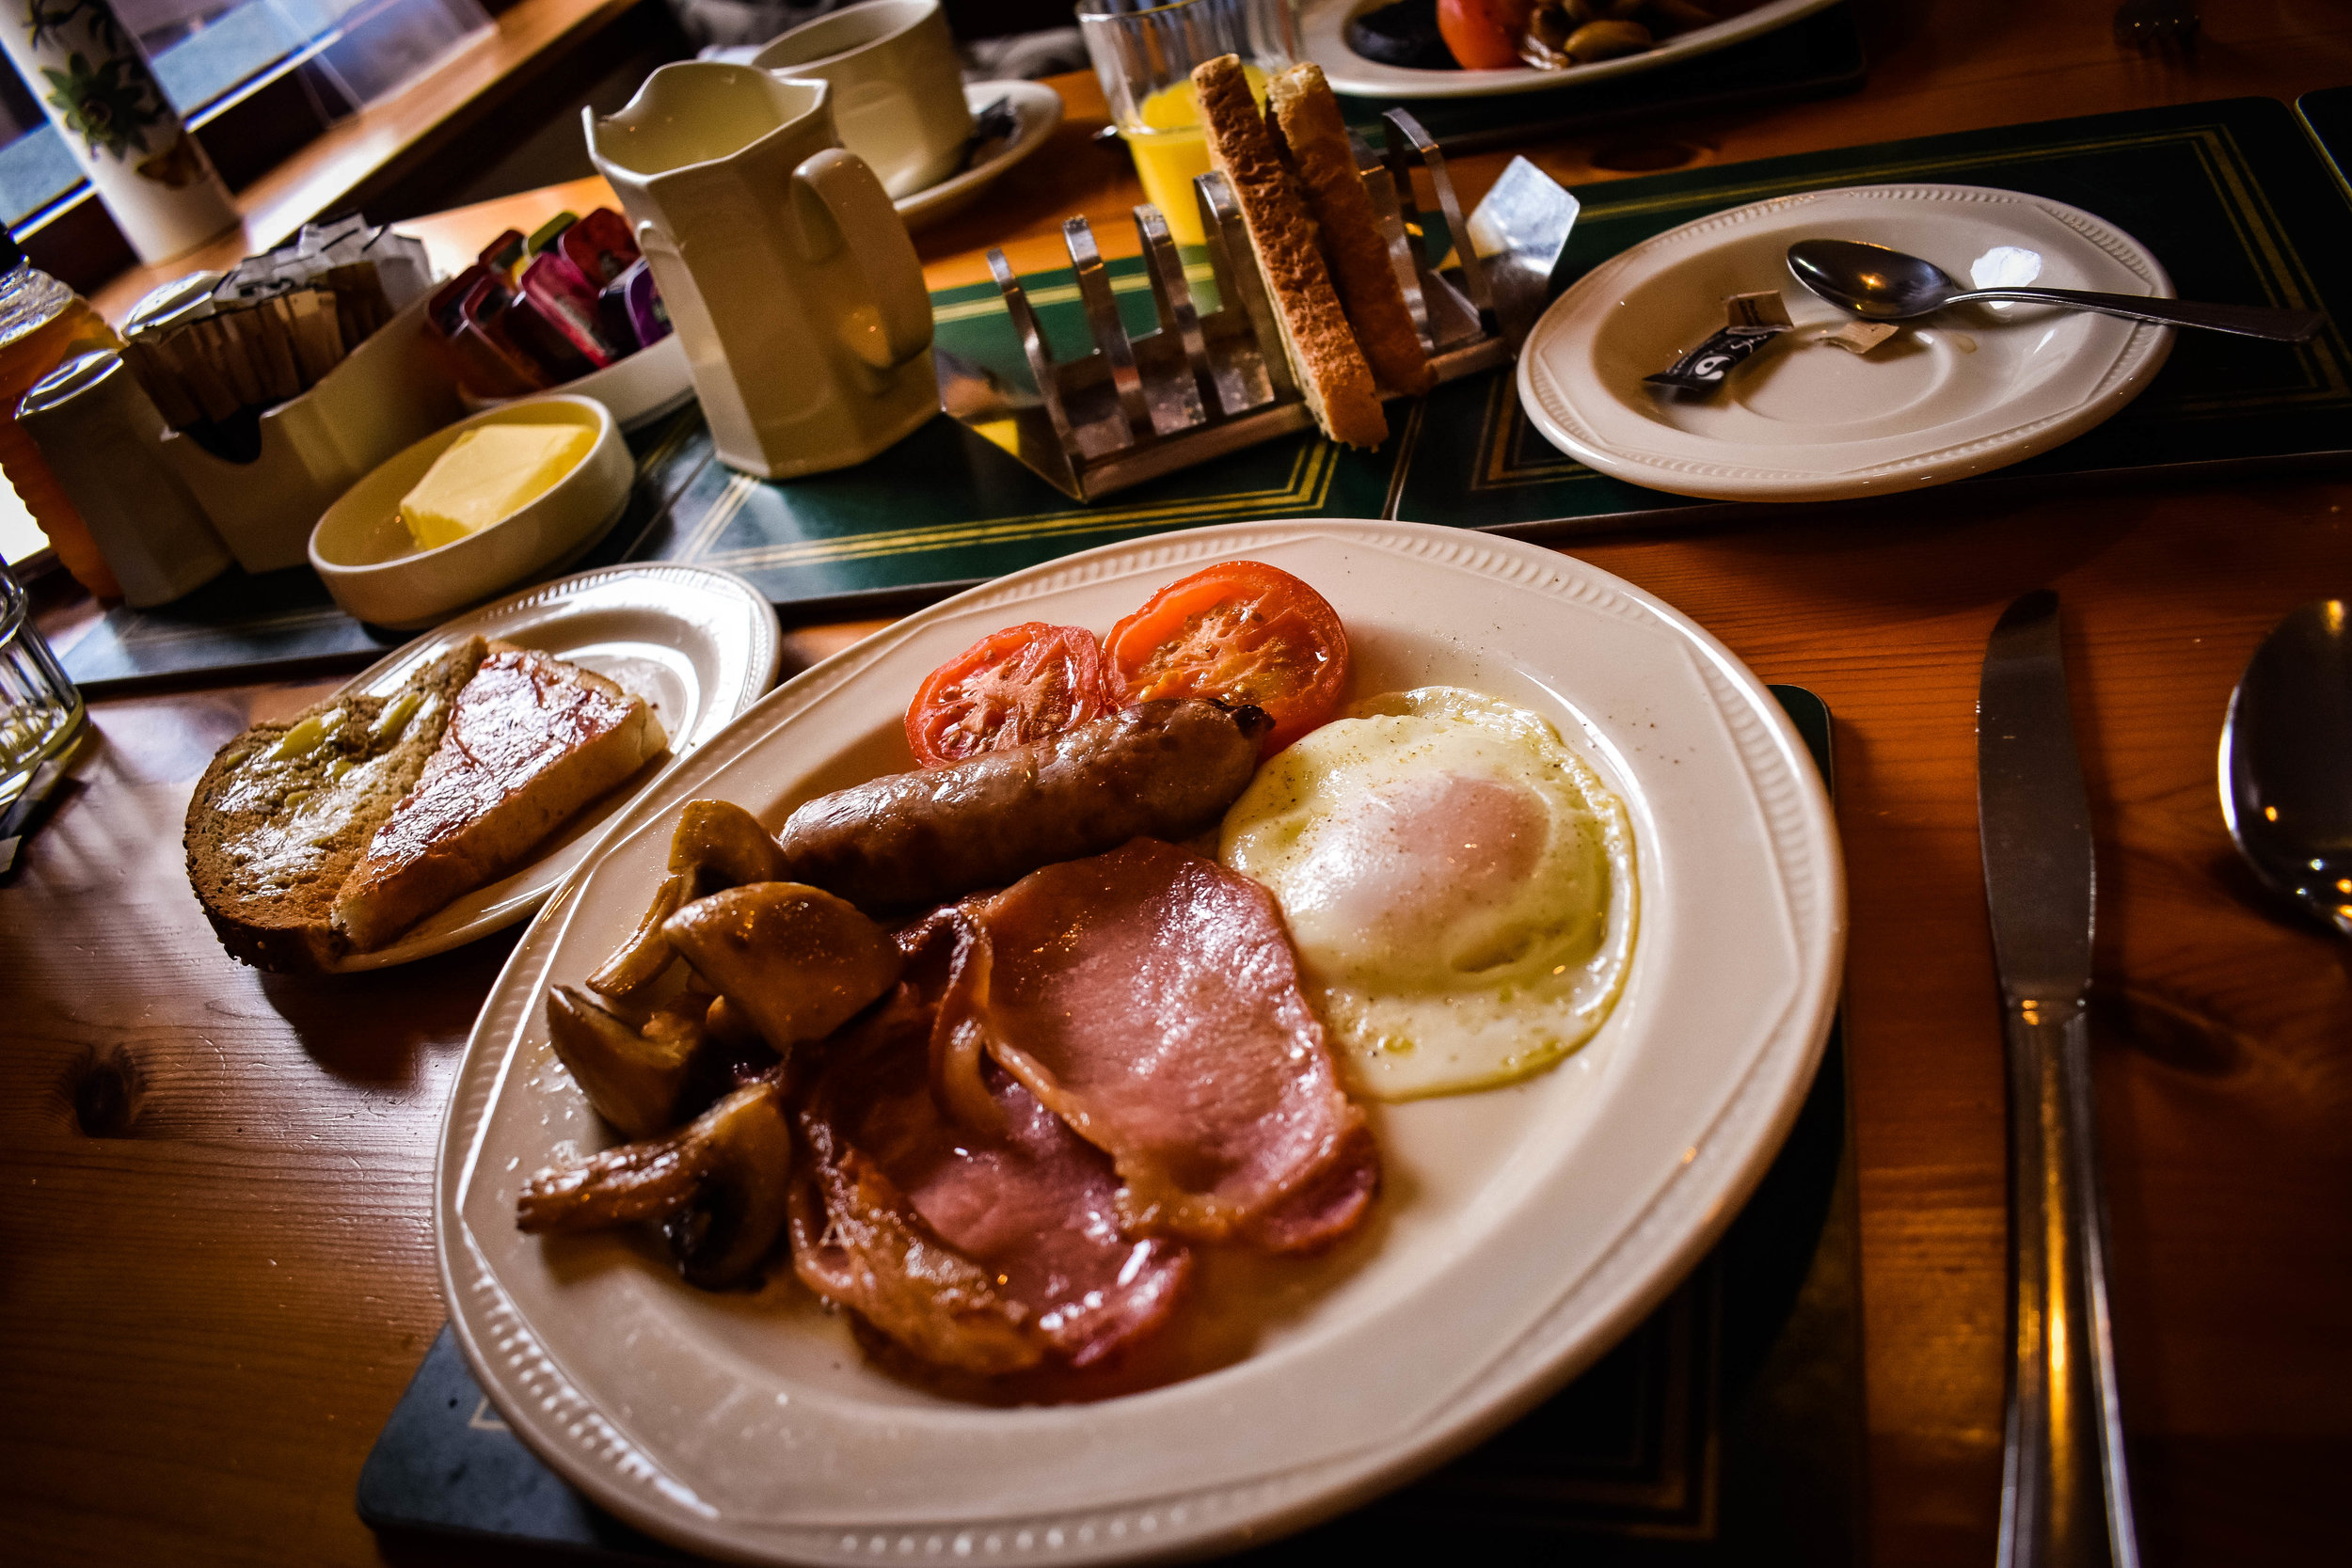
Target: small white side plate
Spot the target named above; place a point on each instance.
(1953, 394)
(648, 385)
(1036, 111)
(1323, 34)
(699, 645)
(1521, 1232)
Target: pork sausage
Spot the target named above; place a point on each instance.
(1161, 769)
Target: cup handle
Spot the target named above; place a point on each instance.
(838, 202)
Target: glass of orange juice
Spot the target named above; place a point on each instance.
(1144, 55)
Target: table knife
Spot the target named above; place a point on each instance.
(2065, 1497)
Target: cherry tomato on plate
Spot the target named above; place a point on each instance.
(1013, 687)
(1483, 35)
(1240, 631)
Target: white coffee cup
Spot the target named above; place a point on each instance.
(897, 96)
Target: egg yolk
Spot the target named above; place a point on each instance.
(1412, 857)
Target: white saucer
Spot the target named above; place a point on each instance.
(1323, 35)
(1968, 390)
(649, 384)
(1036, 111)
(699, 645)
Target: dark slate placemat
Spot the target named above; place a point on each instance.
(1727, 1429)
(1815, 56)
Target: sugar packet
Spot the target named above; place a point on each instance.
(1750, 322)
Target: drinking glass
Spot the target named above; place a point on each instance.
(1144, 55)
(39, 711)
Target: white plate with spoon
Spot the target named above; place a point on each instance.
(1971, 389)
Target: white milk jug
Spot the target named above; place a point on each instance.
(787, 272)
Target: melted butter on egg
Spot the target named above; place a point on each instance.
(1459, 885)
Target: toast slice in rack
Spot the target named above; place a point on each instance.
(1330, 369)
(1307, 116)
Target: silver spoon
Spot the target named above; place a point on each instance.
(1886, 285)
(2286, 761)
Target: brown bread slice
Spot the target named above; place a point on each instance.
(285, 810)
(531, 741)
(1330, 367)
(1308, 117)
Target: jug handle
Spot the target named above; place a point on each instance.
(838, 202)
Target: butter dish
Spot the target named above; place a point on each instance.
(372, 565)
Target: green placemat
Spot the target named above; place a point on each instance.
(2231, 197)
(2234, 197)
(2327, 116)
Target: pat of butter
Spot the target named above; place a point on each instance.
(489, 474)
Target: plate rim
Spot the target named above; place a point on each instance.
(1626, 1277)
(1352, 73)
(764, 661)
(2143, 353)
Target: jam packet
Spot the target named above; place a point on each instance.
(1750, 322)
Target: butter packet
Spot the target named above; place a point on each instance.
(1750, 322)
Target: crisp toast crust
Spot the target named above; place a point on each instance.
(1308, 117)
(273, 826)
(1330, 367)
(531, 741)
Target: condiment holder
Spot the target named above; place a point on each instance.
(388, 392)
(1204, 384)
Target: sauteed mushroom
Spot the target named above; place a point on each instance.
(717, 845)
(634, 1078)
(724, 846)
(646, 957)
(1606, 40)
(720, 1186)
(796, 960)
(1579, 32)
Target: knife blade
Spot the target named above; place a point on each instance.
(2065, 1494)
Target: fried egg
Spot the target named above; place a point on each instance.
(1460, 886)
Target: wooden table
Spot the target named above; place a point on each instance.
(217, 1274)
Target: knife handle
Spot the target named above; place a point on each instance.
(2065, 1494)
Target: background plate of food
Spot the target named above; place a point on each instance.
(1561, 1142)
(1504, 35)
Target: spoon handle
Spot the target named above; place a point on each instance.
(2247, 321)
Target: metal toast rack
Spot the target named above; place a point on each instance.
(1200, 386)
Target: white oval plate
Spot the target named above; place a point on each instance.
(1323, 34)
(1968, 390)
(1036, 111)
(1521, 1231)
(699, 645)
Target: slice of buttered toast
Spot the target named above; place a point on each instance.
(1306, 117)
(531, 741)
(1330, 367)
(286, 810)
